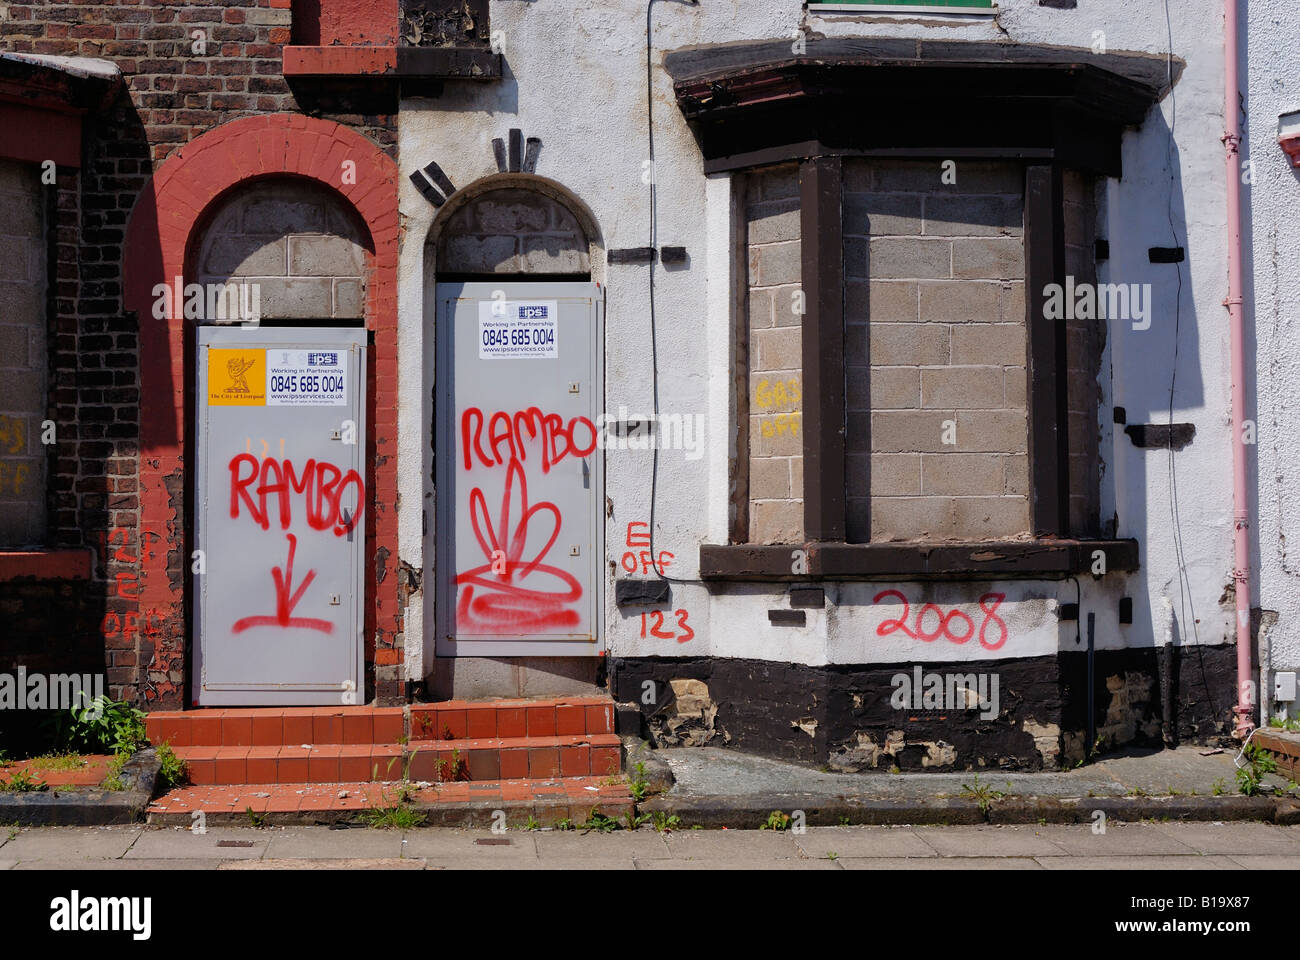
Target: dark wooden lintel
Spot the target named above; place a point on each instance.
(993, 559)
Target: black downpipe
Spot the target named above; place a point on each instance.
(1092, 693)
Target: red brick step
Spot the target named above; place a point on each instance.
(448, 721)
(274, 727)
(474, 720)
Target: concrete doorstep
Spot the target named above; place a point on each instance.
(87, 806)
(716, 788)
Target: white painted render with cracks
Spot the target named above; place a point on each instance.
(575, 77)
(1272, 231)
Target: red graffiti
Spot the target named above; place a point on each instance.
(944, 626)
(321, 485)
(285, 601)
(656, 629)
(508, 596)
(130, 623)
(506, 435)
(646, 560)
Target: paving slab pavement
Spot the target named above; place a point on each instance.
(1010, 841)
(217, 843)
(921, 863)
(1139, 863)
(847, 842)
(1119, 839)
(298, 843)
(118, 864)
(1243, 838)
(298, 863)
(1181, 846)
(71, 843)
(469, 846)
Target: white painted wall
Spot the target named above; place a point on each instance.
(1272, 82)
(558, 51)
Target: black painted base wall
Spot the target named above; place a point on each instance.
(841, 716)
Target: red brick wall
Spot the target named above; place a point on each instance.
(170, 96)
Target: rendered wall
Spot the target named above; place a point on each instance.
(594, 144)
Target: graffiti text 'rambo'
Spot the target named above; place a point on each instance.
(517, 593)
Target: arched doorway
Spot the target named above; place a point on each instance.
(515, 546)
(164, 243)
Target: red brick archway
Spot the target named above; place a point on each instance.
(158, 239)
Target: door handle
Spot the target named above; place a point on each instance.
(586, 474)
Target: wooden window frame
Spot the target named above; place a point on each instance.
(825, 552)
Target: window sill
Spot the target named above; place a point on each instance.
(1037, 559)
(63, 563)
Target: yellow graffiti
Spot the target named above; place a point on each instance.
(13, 434)
(13, 477)
(778, 395)
(780, 425)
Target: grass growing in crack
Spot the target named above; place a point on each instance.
(1219, 787)
(255, 820)
(459, 769)
(395, 814)
(171, 771)
(598, 821)
(983, 793)
(58, 761)
(776, 820)
(113, 781)
(393, 818)
(1259, 762)
(665, 822)
(633, 820)
(23, 782)
(531, 823)
(637, 784)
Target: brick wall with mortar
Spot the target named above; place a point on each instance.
(1084, 342)
(774, 394)
(935, 337)
(23, 355)
(171, 95)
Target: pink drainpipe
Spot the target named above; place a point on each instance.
(1245, 708)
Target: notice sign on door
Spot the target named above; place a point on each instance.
(277, 378)
(306, 378)
(236, 378)
(518, 329)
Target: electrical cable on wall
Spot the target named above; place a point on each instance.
(654, 240)
(1185, 603)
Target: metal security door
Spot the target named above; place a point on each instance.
(280, 494)
(518, 469)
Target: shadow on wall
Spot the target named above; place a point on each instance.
(1154, 370)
